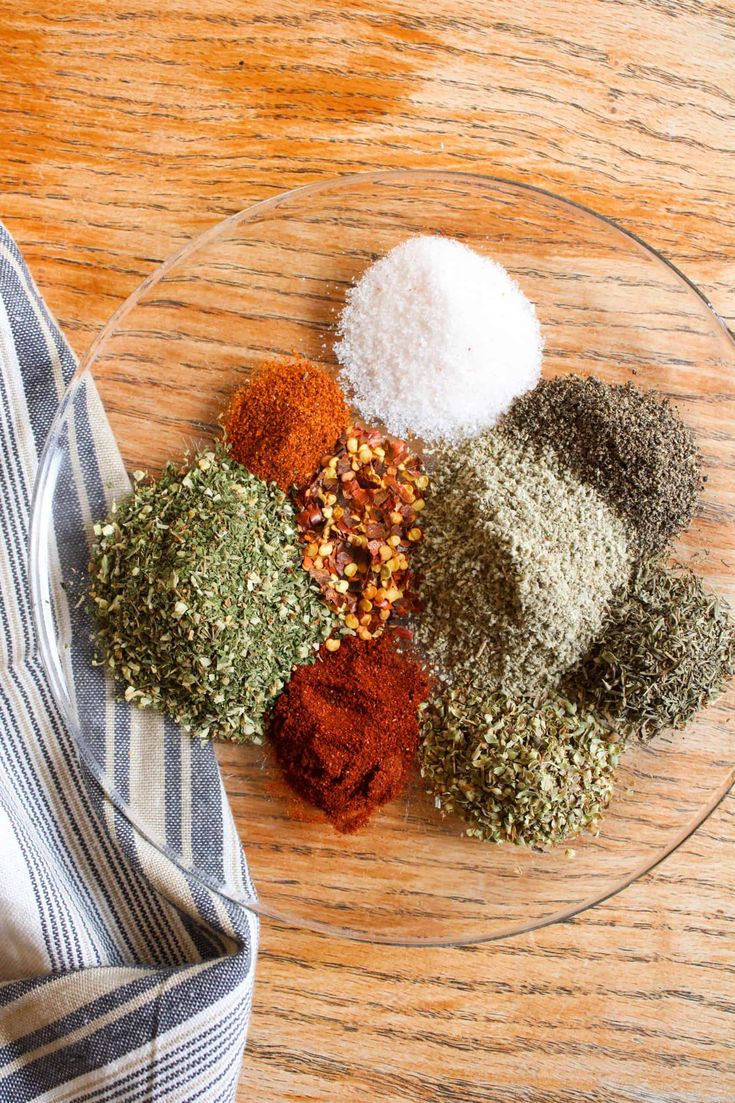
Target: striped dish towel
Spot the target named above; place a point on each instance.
(121, 978)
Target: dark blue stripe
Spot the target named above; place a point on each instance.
(121, 755)
(206, 857)
(87, 1013)
(148, 1083)
(15, 989)
(172, 736)
(165, 1012)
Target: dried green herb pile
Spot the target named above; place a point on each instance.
(666, 653)
(628, 444)
(201, 604)
(518, 567)
(517, 770)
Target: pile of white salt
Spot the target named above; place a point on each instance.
(437, 341)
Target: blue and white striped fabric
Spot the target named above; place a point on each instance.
(121, 978)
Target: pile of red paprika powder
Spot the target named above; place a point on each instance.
(345, 729)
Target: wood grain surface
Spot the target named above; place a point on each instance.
(123, 132)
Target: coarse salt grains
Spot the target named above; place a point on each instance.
(436, 340)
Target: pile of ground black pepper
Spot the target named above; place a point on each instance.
(631, 446)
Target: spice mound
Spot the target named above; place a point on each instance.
(284, 419)
(631, 446)
(200, 601)
(345, 730)
(519, 771)
(359, 519)
(667, 652)
(518, 568)
(437, 340)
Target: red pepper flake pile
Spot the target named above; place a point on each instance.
(284, 419)
(359, 519)
(345, 729)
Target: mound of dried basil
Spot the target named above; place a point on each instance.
(518, 566)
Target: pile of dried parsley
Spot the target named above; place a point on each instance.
(201, 604)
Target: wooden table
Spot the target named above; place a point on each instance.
(124, 133)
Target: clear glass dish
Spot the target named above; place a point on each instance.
(270, 281)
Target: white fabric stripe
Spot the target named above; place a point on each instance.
(30, 290)
(147, 770)
(64, 994)
(25, 951)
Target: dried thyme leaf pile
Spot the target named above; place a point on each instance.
(628, 444)
(201, 604)
(518, 566)
(517, 770)
(666, 653)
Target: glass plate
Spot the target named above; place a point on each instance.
(271, 281)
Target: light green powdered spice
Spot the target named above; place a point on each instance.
(201, 605)
(529, 772)
(518, 567)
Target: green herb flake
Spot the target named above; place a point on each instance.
(195, 584)
(544, 776)
(667, 652)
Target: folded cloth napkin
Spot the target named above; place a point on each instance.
(121, 977)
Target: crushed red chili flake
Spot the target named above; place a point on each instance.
(359, 519)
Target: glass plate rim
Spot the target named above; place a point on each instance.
(41, 500)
